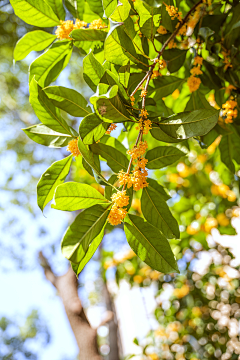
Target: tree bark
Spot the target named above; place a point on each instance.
(67, 287)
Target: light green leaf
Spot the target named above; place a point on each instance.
(46, 112)
(149, 18)
(37, 13)
(175, 59)
(164, 86)
(93, 71)
(50, 179)
(184, 125)
(76, 8)
(155, 186)
(73, 196)
(115, 159)
(162, 156)
(149, 244)
(121, 12)
(77, 268)
(79, 235)
(96, 6)
(157, 213)
(109, 6)
(58, 54)
(91, 129)
(88, 35)
(68, 100)
(32, 41)
(43, 135)
(57, 6)
(226, 152)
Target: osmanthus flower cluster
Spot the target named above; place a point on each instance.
(135, 55)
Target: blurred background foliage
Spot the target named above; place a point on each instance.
(197, 311)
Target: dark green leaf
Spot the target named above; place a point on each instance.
(149, 244)
(73, 196)
(50, 179)
(226, 152)
(68, 100)
(164, 86)
(33, 41)
(155, 186)
(197, 101)
(175, 59)
(91, 129)
(162, 156)
(157, 213)
(115, 159)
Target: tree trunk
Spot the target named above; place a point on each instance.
(67, 287)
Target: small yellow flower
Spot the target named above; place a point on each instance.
(116, 215)
(97, 24)
(196, 71)
(73, 147)
(198, 60)
(111, 128)
(124, 179)
(143, 93)
(139, 150)
(161, 30)
(193, 83)
(120, 198)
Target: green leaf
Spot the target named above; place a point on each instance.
(77, 268)
(175, 59)
(41, 67)
(226, 152)
(32, 41)
(79, 235)
(162, 156)
(188, 124)
(93, 71)
(119, 48)
(46, 111)
(149, 18)
(121, 12)
(205, 32)
(43, 135)
(50, 179)
(68, 100)
(91, 129)
(164, 86)
(76, 8)
(37, 13)
(109, 6)
(108, 106)
(115, 159)
(157, 213)
(57, 6)
(73, 196)
(96, 6)
(88, 35)
(155, 186)
(166, 20)
(149, 244)
(197, 101)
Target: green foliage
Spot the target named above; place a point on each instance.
(144, 73)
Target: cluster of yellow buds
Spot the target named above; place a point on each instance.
(73, 147)
(155, 74)
(162, 64)
(144, 123)
(227, 58)
(117, 213)
(161, 30)
(67, 27)
(229, 111)
(173, 12)
(143, 93)
(138, 178)
(172, 44)
(132, 98)
(194, 82)
(111, 128)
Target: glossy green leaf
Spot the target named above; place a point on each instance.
(157, 213)
(92, 71)
(79, 235)
(91, 129)
(115, 159)
(149, 244)
(162, 156)
(41, 67)
(197, 101)
(76, 8)
(155, 186)
(188, 124)
(68, 100)
(109, 6)
(46, 111)
(164, 86)
(73, 196)
(77, 268)
(88, 35)
(50, 179)
(57, 6)
(175, 59)
(43, 135)
(37, 13)
(121, 12)
(226, 152)
(33, 41)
